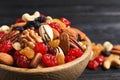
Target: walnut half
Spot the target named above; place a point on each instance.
(29, 38)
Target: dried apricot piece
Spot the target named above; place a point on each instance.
(54, 43)
(27, 51)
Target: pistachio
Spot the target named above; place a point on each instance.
(46, 32)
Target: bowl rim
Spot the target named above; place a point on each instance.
(50, 69)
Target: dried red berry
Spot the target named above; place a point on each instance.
(19, 20)
(16, 54)
(2, 34)
(56, 26)
(100, 59)
(40, 48)
(22, 61)
(49, 60)
(69, 58)
(42, 14)
(77, 52)
(65, 21)
(6, 46)
(93, 65)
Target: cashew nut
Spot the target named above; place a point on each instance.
(6, 59)
(28, 17)
(5, 28)
(17, 46)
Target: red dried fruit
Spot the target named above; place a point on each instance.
(42, 14)
(19, 20)
(40, 48)
(56, 26)
(23, 61)
(69, 58)
(65, 21)
(100, 59)
(93, 65)
(16, 54)
(77, 52)
(2, 34)
(6, 46)
(49, 60)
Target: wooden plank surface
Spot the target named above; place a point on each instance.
(99, 19)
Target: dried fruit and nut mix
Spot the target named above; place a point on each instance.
(38, 40)
(105, 55)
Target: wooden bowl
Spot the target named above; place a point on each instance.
(69, 71)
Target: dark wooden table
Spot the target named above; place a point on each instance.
(99, 19)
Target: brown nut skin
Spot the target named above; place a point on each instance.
(74, 32)
(82, 35)
(6, 59)
(64, 42)
(71, 33)
(56, 34)
(36, 60)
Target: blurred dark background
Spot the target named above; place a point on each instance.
(76, 10)
(91, 16)
(99, 19)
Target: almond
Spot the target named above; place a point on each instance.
(72, 34)
(5, 58)
(64, 42)
(82, 35)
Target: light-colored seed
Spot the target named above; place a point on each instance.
(108, 45)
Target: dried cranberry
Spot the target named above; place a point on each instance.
(51, 50)
(56, 26)
(77, 52)
(16, 54)
(65, 21)
(69, 58)
(49, 60)
(100, 59)
(22, 61)
(2, 34)
(93, 65)
(6, 46)
(19, 20)
(40, 48)
(42, 14)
